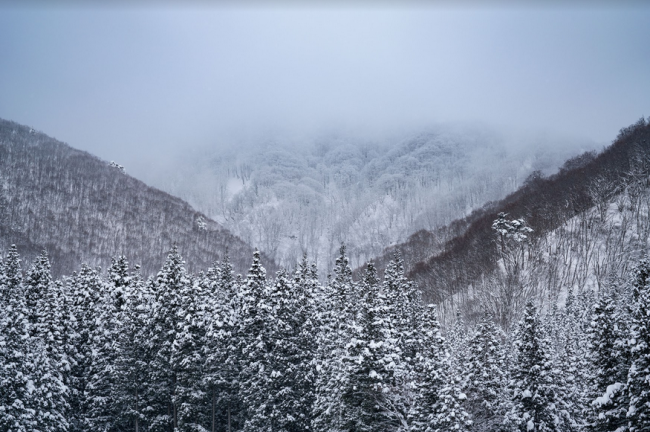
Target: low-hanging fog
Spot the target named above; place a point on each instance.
(298, 127)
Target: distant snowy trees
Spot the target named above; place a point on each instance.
(117, 166)
(291, 198)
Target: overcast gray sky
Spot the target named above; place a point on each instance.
(123, 82)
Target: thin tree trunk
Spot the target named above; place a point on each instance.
(229, 416)
(137, 424)
(212, 408)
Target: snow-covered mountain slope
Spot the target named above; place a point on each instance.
(82, 209)
(590, 224)
(295, 196)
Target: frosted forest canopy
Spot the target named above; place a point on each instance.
(215, 351)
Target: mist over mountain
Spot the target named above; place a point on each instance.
(81, 209)
(295, 195)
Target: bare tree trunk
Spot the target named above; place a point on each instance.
(213, 409)
(228, 416)
(137, 423)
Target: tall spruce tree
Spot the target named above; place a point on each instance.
(160, 392)
(609, 401)
(103, 413)
(253, 345)
(187, 360)
(638, 382)
(534, 396)
(437, 406)
(32, 393)
(16, 382)
(222, 348)
(335, 319)
(132, 357)
(485, 376)
(369, 364)
(37, 285)
(86, 288)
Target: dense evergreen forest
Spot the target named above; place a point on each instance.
(214, 351)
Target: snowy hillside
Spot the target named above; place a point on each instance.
(589, 224)
(82, 209)
(295, 196)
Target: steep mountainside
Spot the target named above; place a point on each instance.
(466, 253)
(82, 209)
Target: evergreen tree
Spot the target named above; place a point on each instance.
(86, 288)
(132, 357)
(609, 402)
(333, 315)
(102, 411)
(160, 391)
(485, 372)
(403, 308)
(568, 330)
(32, 394)
(437, 406)
(253, 345)
(275, 393)
(187, 359)
(535, 405)
(37, 285)
(638, 382)
(369, 364)
(222, 355)
(305, 290)
(17, 386)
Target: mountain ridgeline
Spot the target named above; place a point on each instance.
(84, 210)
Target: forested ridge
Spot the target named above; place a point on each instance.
(446, 261)
(83, 209)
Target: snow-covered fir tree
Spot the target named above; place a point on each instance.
(132, 357)
(485, 374)
(160, 392)
(32, 392)
(369, 365)
(335, 319)
(638, 381)
(191, 397)
(16, 348)
(609, 355)
(535, 404)
(86, 291)
(437, 406)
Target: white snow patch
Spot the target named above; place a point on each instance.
(607, 397)
(30, 386)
